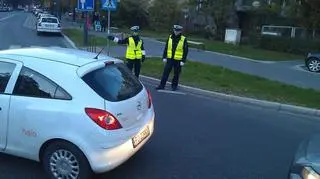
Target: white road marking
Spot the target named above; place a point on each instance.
(15, 46)
(304, 69)
(172, 92)
(7, 17)
(30, 22)
(35, 46)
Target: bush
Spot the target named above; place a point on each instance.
(289, 45)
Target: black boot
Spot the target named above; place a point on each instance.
(159, 87)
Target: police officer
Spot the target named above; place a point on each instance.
(135, 54)
(174, 55)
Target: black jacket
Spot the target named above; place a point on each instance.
(175, 41)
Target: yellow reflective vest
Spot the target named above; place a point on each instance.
(179, 50)
(133, 51)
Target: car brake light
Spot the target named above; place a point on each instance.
(103, 118)
(59, 25)
(39, 24)
(149, 99)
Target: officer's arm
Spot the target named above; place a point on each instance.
(185, 51)
(165, 50)
(118, 41)
(123, 41)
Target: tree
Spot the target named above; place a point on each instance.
(132, 12)
(220, 11)
(163, 14)
(306, 12)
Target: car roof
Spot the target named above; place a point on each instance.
(62, 55)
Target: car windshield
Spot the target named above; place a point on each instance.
(49, 20)
(113, 83)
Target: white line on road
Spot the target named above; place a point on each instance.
(172, 92)
(15, 46)
(303, 69)
(35, 46)
(7, 17)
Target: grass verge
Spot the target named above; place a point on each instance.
(76, 36)
(231, 82)
(242, 50)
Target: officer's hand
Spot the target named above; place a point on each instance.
(164, 60)
(143, 59)
(181, 63)
(110, 37)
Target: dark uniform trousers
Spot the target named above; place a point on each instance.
(175, 64)
(136, 64)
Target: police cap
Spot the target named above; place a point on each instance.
(135, 28)
(177, 27)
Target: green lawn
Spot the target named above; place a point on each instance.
(227, 81)
(221, 47)
(76, 36)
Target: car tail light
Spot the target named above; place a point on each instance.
(39, 24)
(59, 25)
(149, 99)
(103, 118)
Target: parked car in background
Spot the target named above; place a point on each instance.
(313, 62)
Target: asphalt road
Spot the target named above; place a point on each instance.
(18, 30)
(197, 137)
(286, 72)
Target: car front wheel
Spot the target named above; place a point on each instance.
(64, 160)
(313, 64)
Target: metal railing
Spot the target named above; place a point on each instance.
(92, 47)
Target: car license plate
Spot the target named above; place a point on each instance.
(136, 140)
(49, 26)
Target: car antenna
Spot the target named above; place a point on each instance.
(99, 53)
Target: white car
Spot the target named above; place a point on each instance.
(71, 112)
(48, 24)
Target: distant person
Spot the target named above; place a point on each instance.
(135, 54)
(103, 24)
(175, 56)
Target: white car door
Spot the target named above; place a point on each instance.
(9, 71)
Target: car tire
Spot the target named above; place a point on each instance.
(313, 64)
(65, 155)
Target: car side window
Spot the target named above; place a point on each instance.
(6, 70)
(33, 84)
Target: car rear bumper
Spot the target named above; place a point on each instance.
(48, 30)
(107, 159)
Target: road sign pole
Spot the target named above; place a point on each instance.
(109, 18)
(85, 28)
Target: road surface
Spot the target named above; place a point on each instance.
(196, 137)
(289, 72)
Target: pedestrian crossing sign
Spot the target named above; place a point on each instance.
(110, 5)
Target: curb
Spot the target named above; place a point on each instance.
(72, 44)
(250, 101)
(238, 99)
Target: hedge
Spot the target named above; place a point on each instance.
(289, 45)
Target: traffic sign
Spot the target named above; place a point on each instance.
(110, 5)
(85, 5)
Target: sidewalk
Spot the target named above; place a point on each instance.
(274, 71)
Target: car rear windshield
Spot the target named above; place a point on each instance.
(114, 82)
(49, 20)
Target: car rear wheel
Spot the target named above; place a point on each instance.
(64, 160)
(313, 64)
